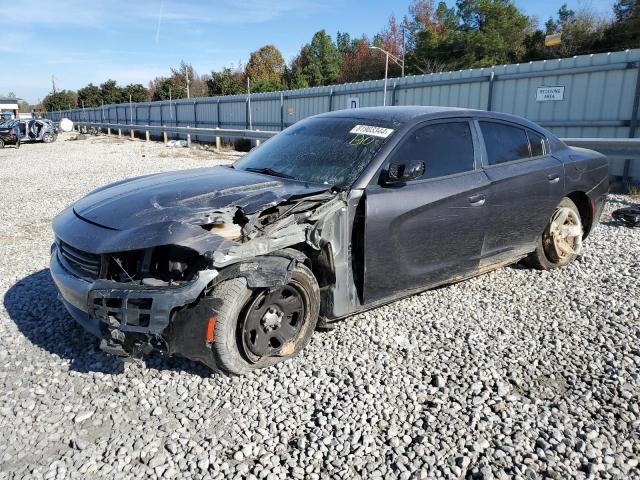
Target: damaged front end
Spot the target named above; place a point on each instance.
(154, 295)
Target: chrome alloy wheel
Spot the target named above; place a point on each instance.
(565, 232)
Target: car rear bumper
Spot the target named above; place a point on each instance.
(130, 319)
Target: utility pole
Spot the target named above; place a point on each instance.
(386, 70)
(249, 101)
(403, 49)
(186, 74)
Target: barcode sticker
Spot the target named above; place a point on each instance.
(372, 131)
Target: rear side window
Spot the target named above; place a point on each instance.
(445, 149)
(537, 143)
(504, 143)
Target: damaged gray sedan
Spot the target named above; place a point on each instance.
(236, 266)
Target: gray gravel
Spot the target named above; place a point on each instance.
(516, 373)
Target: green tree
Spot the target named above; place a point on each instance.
(624, 32)
(436, 39)
(90, 96)
(345, 44)
(164, 88)
(226, 82)
(111, 93)
(137, 92)
(321, 60)
(61, 100)
(581, 32)
(266, 69)
(493, 33)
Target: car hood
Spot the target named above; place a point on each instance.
(189, 196)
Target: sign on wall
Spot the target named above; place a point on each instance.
(550, 94)
(353, 102)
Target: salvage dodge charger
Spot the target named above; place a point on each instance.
(236, 266)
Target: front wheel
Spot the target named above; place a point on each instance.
(1, 143)
(17, 143)
(257, 329)
(561, 241)
(48, 138)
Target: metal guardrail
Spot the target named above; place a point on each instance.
(621, 151)
(613, 148)
(209, 132)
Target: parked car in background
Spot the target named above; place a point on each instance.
(34, 130)
(9, 135)
(235, 266)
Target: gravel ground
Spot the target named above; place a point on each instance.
(514, 374)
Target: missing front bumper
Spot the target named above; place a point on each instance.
(133, 320)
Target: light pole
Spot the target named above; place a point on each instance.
(386, 69)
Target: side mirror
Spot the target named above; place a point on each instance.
(403, 172)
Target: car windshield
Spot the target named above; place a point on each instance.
(330, 151)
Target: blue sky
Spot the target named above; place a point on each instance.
(78, 41)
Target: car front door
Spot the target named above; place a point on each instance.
(527, 183)
(22, 127)
(430, 229)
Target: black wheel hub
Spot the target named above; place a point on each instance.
(273, 319)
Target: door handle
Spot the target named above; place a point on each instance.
(553, 178)
(477, 200)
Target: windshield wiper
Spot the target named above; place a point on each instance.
(268, 171)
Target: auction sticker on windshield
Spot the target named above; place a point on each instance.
(372, 131)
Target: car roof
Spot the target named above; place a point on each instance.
(413, 114)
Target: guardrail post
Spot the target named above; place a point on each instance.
(146, 135)
(218, 142)
(165, 137)
(257, 139)
(188, 138)
(132, 133)
(119, 132)
(109, 131)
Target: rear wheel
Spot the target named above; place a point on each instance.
(18, 143)
(561, 241)
(48, 138)
(1, 143)
(257, 329)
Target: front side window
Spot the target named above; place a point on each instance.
(445, 149)
(504, 143)
(330, 151)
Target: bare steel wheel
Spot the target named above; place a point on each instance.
(561, 241)
(258, 328)
(272, 322)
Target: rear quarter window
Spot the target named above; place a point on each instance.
(537, 144)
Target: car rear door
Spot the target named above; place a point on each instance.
(527, 183)
(431, 229)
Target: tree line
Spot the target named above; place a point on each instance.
(433, 37)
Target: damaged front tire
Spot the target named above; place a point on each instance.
(257, 329)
